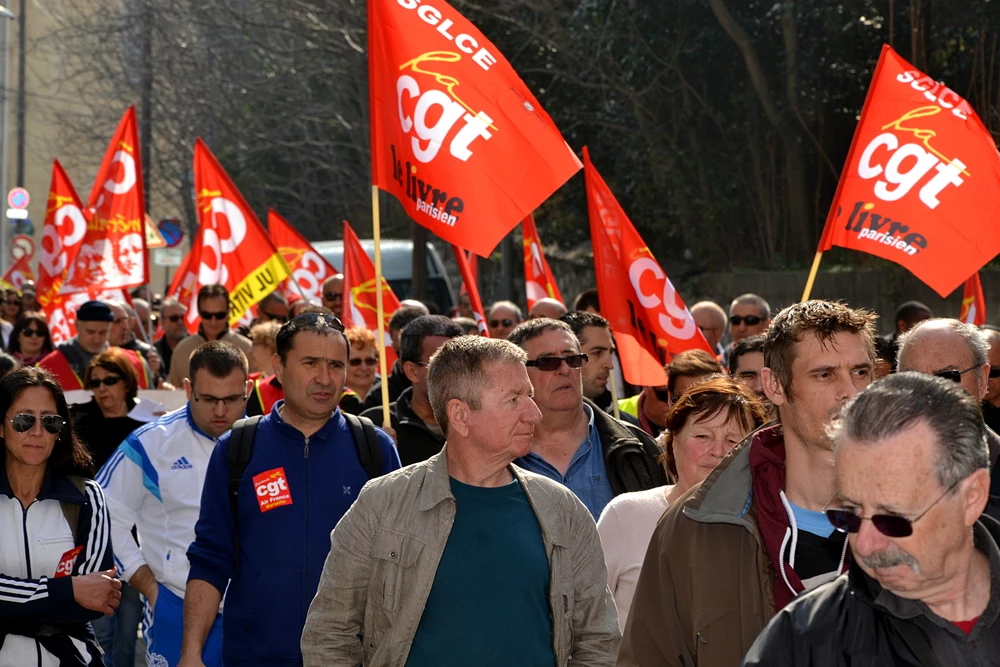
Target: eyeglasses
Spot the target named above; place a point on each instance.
(663, 395)
(751, 320)
(230, 401)
(553, 363)
(954, 374)
(368, 361)
(507, 322)
(24, 422)
(276, 318)
(333, 296)
(213, 316)
(994, 373)
(30, 333)
(108, 381)
(174, 318)
(890, 525)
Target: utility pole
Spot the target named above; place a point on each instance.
(146, 96)
(21, 49)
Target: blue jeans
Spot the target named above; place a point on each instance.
(117, 634)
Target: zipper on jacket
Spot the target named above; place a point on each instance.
(27, 562)
(305, 583)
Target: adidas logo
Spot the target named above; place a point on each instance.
(181, 464)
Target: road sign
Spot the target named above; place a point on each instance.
(154, 239)
(22, 245)
(16, 214)
(168, 257)
(18, 198)
(171, 231)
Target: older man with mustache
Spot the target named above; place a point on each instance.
(912, 474)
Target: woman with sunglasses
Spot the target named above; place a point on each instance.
(104, 422)
(706, 422)
(362, 363)
(30, 340)
(56, 561)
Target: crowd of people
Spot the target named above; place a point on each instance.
(808, 493)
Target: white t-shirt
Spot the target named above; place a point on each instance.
(626, 526)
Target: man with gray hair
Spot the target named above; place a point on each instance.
(502, 317)
(466, 559)
(955, 351)
(175, 330)
(711, 319)
(749, 315)
(911, 469)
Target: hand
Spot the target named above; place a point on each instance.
(99, 591)
(190, 661)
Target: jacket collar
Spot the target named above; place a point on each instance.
(190, 421)
(54, 487)
(612, 433)
(284, 428)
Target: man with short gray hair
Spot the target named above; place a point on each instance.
(911, 469)
(466, 559)
(502, 317)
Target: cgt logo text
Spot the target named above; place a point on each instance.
(872, 226)
(429, 200)
(272, 489)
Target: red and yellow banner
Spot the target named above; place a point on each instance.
(920, 184)
(539, 282)
(471, 285)
(18, 274)
(649, 320)
(309, 269)
(359, 292)
(456, 136)
(973, 303)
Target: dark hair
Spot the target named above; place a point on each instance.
(316, 309)
(403, 316)
(745, 346)
(316, 323)
(822, 319)
(707, 399)
(114, 360)
(212, 291)
(886, 349)
(219, 359)
(580, 320)
(69, 456)
(909, 310)
(468, 325)
(587, 299)
(276, 297)
(532, 329)
(412, 337)
(7, 363)
(691, 363)
(22, 324)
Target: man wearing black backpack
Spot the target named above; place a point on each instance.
(275, 488)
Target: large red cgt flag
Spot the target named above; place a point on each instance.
(113, 252)
(359, 292)
(18, 274)
(920, 184)
(471, 286)
(539, 283)
(234, 249)
(309, 269)
(649, 320)
(456, 136)
(973, 303)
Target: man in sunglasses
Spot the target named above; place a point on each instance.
(922, 588)
(502, 317)
(154, 481)
(418, 435)
(333, 294)
(172, 314)
(749, 315)
(955, 351)
(213, 309)
(577, 444)
(272, 308)
(730, 553)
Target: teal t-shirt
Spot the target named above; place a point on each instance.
(489, 604)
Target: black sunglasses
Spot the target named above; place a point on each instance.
(174, 318)
(890, 525)
(663, 395)
(357, 361)
(276, 318)
(213, 316)
(954, 374)
(314, 319)
(333, 296)
(751, 320)
(553, 363)
(109, 381)
(24, 422)
(507, 322)
(31, 333)
(994, 373)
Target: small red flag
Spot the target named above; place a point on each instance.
(360, 308)
(19, 273)
(539, 283)
(472, 288)
(973, 303)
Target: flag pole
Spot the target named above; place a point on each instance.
(614, 394)
(812, 275)
(379, 308)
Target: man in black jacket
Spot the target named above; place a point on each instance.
(577, 444)
(418, 436)
(911, 463)
(398, 382)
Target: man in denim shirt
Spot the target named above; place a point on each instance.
(596, 456)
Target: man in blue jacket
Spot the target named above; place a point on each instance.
(303, 474)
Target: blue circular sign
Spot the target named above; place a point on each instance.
(171, 231)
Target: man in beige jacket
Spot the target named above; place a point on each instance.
(466, 559)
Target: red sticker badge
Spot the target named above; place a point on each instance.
(272, 489)
(67, 561)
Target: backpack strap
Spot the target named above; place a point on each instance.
(366, 442)
(71, 511)
(237, 459)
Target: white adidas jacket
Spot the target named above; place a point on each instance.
(153, 481)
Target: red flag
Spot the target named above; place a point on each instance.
(359, 292)
(18, 274)
(309, 269)
(472, 287)
(539, 282)
(456, 136)
(649, 320)
(920, 182)
(473, 260)
(234, 249)
(113, 253)
(973, 303)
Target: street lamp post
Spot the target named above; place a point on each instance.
(6, 16)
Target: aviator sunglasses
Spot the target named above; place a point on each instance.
(553, 363)
(890, 525)
(751, 320)
(23, 422)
